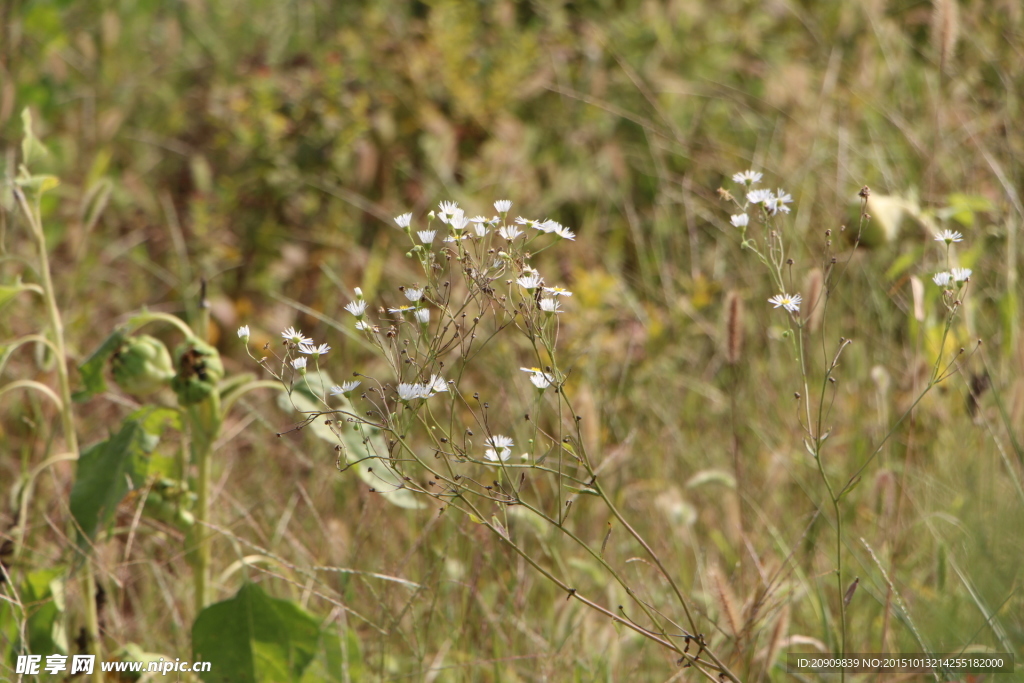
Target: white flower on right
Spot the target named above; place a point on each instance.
(740, 220)
(759, 196)
(961, 274)
(791, 302)
(496, 442)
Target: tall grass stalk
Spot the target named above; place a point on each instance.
(33, 216)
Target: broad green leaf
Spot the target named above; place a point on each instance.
(105, 469)
(92, 369)
(254, 638)
(43, 595)
(364, 447)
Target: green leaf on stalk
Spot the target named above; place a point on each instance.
(253, 637)
(108, 468)
(32, 150)
(92, 369)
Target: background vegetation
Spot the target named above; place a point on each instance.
(266, 146)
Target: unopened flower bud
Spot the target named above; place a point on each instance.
(142, 365)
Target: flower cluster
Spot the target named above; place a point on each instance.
(772, 204)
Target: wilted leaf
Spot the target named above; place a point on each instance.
(365, 449)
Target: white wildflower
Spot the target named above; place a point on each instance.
(510, 232)
(295, 337)
(499, 448)
(791, 302)
(747, 178)
(344, 387)
(311, 350)
(949, 236)
(356, 308)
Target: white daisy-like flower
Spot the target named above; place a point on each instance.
(344, 387)
(510, 232)
(311, 350)
(747, 177)
(426, 236)
(531, 281)
(447, 209)
(422, 315)
(777, 202)
(299, 364)
(791, 302)
(363, 325)
(557, 291)
(759, 196)
(295, 337)
(942, 279)
(547, 226)
(740, 220)
(961, 274)
(540, 379)
(949, 236)
(481, 229)
(564, 232)
(243, 332)
(357, 308)
(479, 219)
(436, 384)
(499, 448)
(503, 205)
(550, 306)
(413, 294)
(456, 238)
(410, 392)
(404, 220)
(401, 310)
(458, 220)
